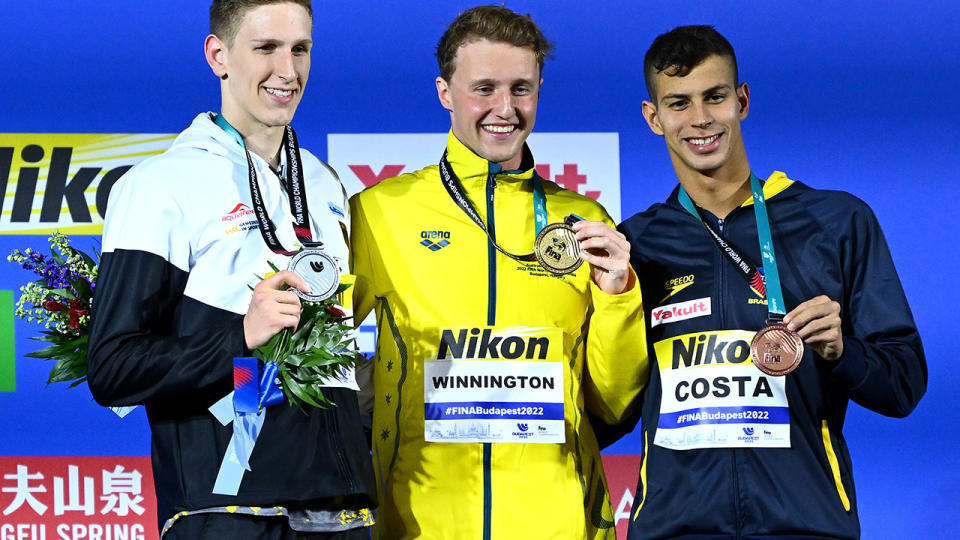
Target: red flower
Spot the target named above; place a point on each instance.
(51, 305)
(336, 312)
(77, 310)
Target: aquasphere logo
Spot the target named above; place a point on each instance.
(435, 240)
(240, 219)
(62, 181)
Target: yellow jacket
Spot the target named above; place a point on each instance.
(426, 268)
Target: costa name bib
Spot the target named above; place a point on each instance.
(715, 397)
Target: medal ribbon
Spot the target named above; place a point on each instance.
(293, 184)
(246, 407)
(769, 287)
(459, 196)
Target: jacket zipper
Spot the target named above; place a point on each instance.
(721, 277)
(491, 320)
(338, 450)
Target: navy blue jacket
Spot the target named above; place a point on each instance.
(827, 243)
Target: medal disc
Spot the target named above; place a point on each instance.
(319, 270)
(776, 350)
(557, 249)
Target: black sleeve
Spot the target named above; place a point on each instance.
(883, 365)
(150, 343)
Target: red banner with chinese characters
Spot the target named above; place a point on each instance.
(77, 498)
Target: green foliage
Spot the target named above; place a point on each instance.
(320, 348)
(69, 353)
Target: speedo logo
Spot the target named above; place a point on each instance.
(693, 350)
(677, 284)
(680, 311)
(435, 240)
(476, 343)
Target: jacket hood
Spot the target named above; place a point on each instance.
(205, 135)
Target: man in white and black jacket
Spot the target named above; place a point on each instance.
(182, 245)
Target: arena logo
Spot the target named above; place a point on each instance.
(588, 163)
(428, 242)
(63, 181)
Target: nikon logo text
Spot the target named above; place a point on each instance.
(477, 343)
(700, 350)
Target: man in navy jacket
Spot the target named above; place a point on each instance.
(732, 449)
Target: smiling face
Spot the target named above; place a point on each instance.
(267, 64)
(699, 116)
(492, 98)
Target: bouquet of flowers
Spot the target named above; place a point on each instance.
(321, 348)
(60, 301)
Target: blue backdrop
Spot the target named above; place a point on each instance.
(859, 96)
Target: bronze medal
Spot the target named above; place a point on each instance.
(776, 350)
(319, 270)
(557, 249)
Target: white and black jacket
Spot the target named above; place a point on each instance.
(181, 248)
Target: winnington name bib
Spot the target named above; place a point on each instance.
(495, 384)
(714, 397)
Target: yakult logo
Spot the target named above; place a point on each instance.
(680, 311)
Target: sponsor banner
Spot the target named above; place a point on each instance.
(61, 181)
(495, 384)
(681, 311)
(47, 498)
(714, 397)
(588, 163)
(622, 472)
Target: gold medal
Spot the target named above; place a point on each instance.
(557, 249)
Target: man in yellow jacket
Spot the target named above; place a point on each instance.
(486, 358)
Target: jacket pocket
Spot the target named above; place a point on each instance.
(834, 465)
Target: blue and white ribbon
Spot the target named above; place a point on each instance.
(254, 391)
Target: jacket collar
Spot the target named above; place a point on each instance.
(473, 170)
(776, 185)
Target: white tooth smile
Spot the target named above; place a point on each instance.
(279, 93)
(500, 129)
(704, 142)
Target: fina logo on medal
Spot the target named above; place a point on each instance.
(319, 270)
(435, 240)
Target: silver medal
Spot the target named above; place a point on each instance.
(319, 270)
